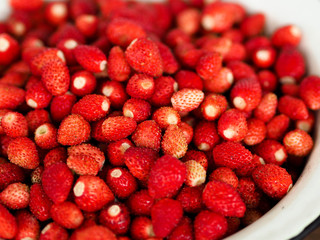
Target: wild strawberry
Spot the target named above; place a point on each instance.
(53, 231)
(90, 58)
(73, 130)
(173, 142)
(140, 86)
(140, 203)
(116, 128)
(187, 99)
(221, 82)
(83, 164)
(21, 5)
(79, 7)
(290, 89)
(246, 94)
(267, 107)
(38, 96)
(226, 175)
(183, 230)
(87, 24)
(309, 89)
(14, 125)
(237, 52)
(241, 70)
(187, 131)
(143, 56)
(197, 156)
(116, 218)
(2, 113)
(217, 44)
(298, 143)
(232, 125)
(290, 65)
(36, 175)
(196, 174)
(56, 13)
(286, 35)
(166, 116)
(191, 199)
(61, 106)
(170, 64)
(164, 87)
(91, 193)
(55, 76)
(174, 172)
(253, 25)
(57, 181)
(83, 83)
(257, 131)
(275, 181)
(55, 155)
(213, 106)
(28, 225)
(235, 35)
(188, 20)
(141, 228)
(66, 46)
(36, 118)
(8, 224)
(188, 79)
(116, 151)
(139, 161)
(188, 54)
(22, 152)
(277, 127)
(10, 96)
(122, 31)
(165, 216)
(15, 196)
(121, 182)
(116, 93)
(39, 204)
(118, 68)
(45, 136)
(66, 31)
(268, 80)
(217, 17)
(307, 124)
(9, 50)
(293, 107)
(209, 65)
(10, 173)
(272, 152)
(177, 37)
(147, 134)
(67, 214)
(205, 135)
(249, 192)
(216, 225)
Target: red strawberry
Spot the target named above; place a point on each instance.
(92, 107)
(166, 116)
(55, 155)
(10, 173)
(116, 151)
(197, 156)
(57, 180)
(191, 199)
(298, 143)
(224, 199)
(220, 45)
(38, 96)
(140, 86)
(83, 164)
(95, 232)
(221, 82)
(215, 225)
(309, 92)
(246, 94)
(139, 161)
(177, 37)
(188, 79)
(73, 130)
(66, 45)
(14, 125)
(118, 68)
(189, 20)
(170, 64)
(10, 96)
(267, 107)
(241, 70)
(231, 154)
(209, 65)
(273, 180)
(141, 228)
(213, 106)
(232, 125)
(53, 231)
(277, 127)
(140, 203)
(9, 50)
(290, 89)
(237, 52)
(138, 109)
(121, 182)
(91, 193)
(196, 174)
(116, 93)
(61, 106)
(294, 108)
(226, 175)
(205, 135)
(87, 24)
(184, 230)
(28, 225)
(83, 83)
(286, 35)
(249, 192)
(268, 80)
(22, 152)
(67, 214)
(253, 25)
(165, 215)
(173, 142)
(143, 56)
(235, 35)
(115, 217)
(39, 204)
(187, 99)
(45, 136)
(56, 13)
(15, 196)
(166, 177)
(187, 131)
(147, 134)
(272, 152)
(90, 58)
(36, 118)
(8, 224)
(264, 57)
(164, 87)
(257, 131)
(116, 128)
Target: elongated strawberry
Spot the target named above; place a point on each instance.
(10, 96)
(67, 214)
(257, 131)
(61, 106)
(38, 96)
(28, 225)
(225, 174)
(164, 88)
(118, 68)
(166, 177)
(309, 92)
(143, 56)
(191, 199)
(116, 151)
(221, 82)
(286, 35)
(173, 142)
(9, 50)
(140, 203)
(170, 64)
(266, 109)
(205, 135)
(116, 93)
(293, 107)
(8, 224)
(209, 65)
(272, 152)
(83, 164)
(116, 128)
(39, 204)
(196, 174)
(90, 58)
(15, 196)
(187, 99)
(277, 127)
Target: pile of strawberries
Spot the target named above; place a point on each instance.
(146, 121)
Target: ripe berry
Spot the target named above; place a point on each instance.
(67, 214)
(140, 203)
(82, 83)
(298, 143)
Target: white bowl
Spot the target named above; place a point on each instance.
(301, 206)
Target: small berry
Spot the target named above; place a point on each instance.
(187, 99)
(116, 128)
(140, 86)
(8, 224)
(140, 203)
(173, 142)
(213, 106)
(277, 127)
(118, 68)
(224, 174)
(82, 83)
(196, 174)
(15, 196)
(309, 92)
(293, 107)
(45, 136)
(14, 125)
(257, 131)
(298, 143)
(267, 107)
(205, 135)
(67, 214)
(116, 151)
(286, 35)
